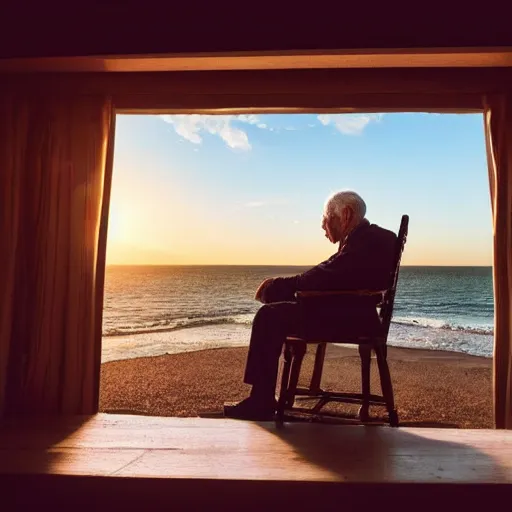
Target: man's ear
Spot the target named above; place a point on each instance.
(348, 215)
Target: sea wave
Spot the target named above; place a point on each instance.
(433, 323)
(246, 319)
(178, 324)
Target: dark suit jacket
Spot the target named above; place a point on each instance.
(364, 260)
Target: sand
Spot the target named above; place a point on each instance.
(432, 388)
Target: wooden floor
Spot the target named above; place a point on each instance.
(198, 461)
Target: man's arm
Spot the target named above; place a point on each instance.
(340, 272)
(284, 288)
(359, 265)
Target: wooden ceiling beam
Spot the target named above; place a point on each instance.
(365, 58)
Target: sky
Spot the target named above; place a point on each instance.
(250, 190)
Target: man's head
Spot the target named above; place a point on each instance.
(343, 211)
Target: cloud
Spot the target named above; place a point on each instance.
(275, 201)
(228, 127)
(246, 118)
(349, 124)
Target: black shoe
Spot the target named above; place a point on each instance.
(251, 409)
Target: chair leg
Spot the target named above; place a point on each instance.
(387, 386)
(316, 378)
(285, 379)
(298, 350)
(365, 353)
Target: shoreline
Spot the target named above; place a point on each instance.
(191, 339)
(197, 338)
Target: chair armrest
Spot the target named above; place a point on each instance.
(358, 293)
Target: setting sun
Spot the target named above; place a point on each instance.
(115, 225)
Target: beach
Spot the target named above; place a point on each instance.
(432, 388)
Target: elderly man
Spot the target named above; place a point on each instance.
(364, 260)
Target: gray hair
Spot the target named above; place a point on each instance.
(339, 200)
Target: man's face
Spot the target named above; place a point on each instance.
(332, 226)
(337, 228)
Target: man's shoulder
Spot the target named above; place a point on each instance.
(371, 240)
(376, 234)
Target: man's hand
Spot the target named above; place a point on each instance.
(260, 292)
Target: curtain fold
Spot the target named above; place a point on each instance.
(13, 134)
(498, 130)
(55, 173)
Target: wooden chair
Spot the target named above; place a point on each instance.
(295, 349)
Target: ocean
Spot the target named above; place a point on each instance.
(153, 310)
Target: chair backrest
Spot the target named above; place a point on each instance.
(386, 310)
